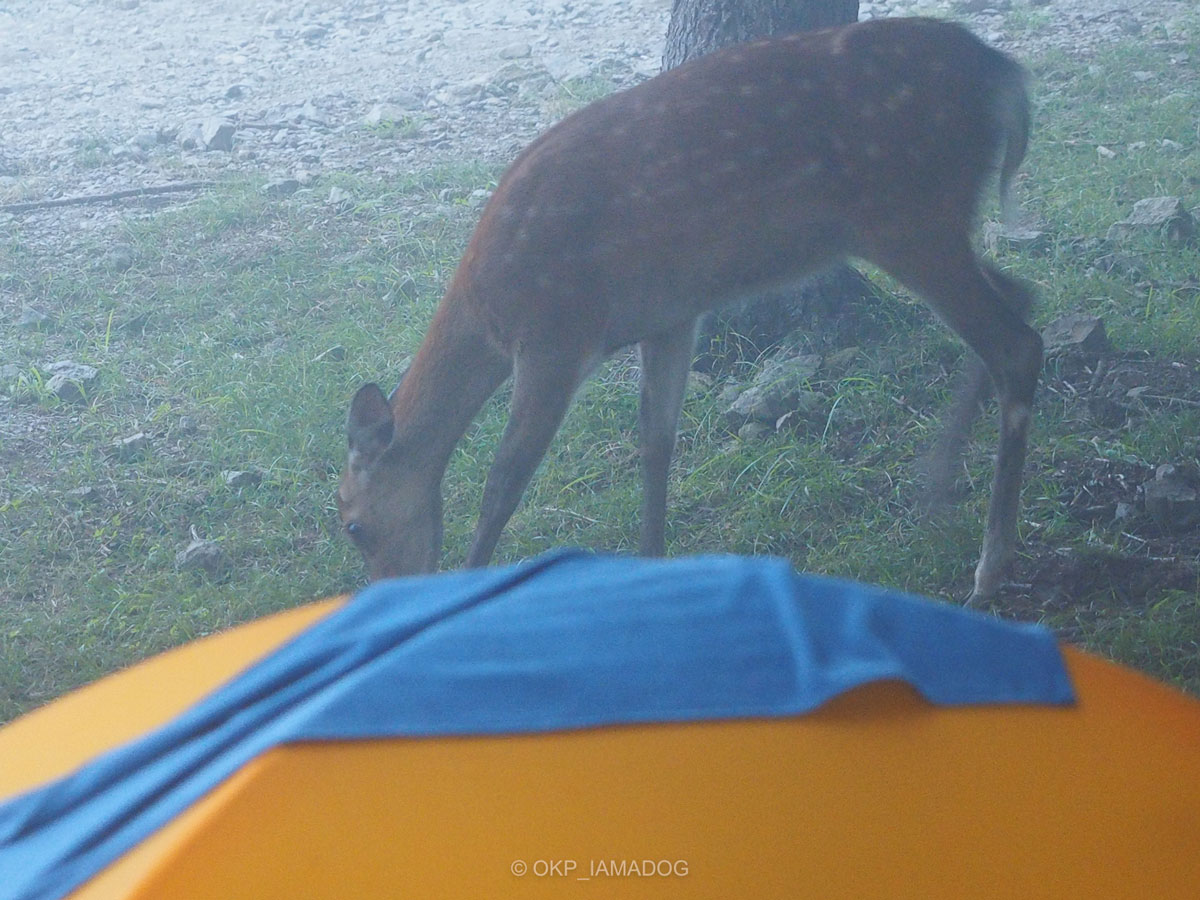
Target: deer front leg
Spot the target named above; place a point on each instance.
(543, 386)
(666, 359)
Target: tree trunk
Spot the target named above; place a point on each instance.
(828, 302)
(701, 26)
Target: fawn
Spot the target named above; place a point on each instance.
(626, 221)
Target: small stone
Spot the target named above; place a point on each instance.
(1020, 238)
(71, 381)
(1171, 501)
(131, 447)
(340, 197)
(841, 361)
(515, 51)
(383, 114)
(314, 32)
(216, 133)
(146, 140)
(754, 431)
(1166, 215)
(283, 187)
(236, 91)
(1105, 153)
(1079, 332)
(238, 478)
(32, 318)
(204, 556)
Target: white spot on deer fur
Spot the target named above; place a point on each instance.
(899, 98)
(748, 90)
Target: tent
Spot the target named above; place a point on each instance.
(710, 727)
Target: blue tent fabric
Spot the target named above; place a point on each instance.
(568, 640)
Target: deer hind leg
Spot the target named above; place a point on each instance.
(983, 308)
(941, 462)
(666, 359)
(543, 385)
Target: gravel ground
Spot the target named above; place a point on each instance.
(109, 95)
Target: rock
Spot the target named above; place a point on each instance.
(145, 140)
(778, 390)
(340, 197)
(1105, 153)
(65, 389)
(131, 447)
(1171, 500)
(283, 187)
(515, 51)
(87, 494)
(236, 91)
(1078, 332)
(384, 113)
(754, 431)
(314, 32)
(216, 133)
(204, 556)
(237, 478)
(839, 362)
(32, 318)
(71, 381)
(1166, 215)
(1018, 237)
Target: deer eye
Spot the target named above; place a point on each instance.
(355, 531)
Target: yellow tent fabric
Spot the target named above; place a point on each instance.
(877, 794)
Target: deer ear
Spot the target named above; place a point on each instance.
(370, 425)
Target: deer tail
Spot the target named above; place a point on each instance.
(1013, 122)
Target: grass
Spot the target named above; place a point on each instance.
(214, 345)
